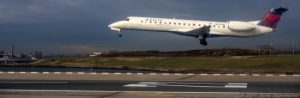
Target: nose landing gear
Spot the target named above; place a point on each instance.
(119, 34)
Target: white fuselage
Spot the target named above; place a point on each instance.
(186, 27)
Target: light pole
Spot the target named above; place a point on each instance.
(259, 49)
(294, 46)
(270, 49)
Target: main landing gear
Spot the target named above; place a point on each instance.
(203, 35)
(203, 42)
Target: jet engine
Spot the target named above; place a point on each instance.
(241, 26)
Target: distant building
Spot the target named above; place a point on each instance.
(38, 54)
(12, 57)
(12, 51)
(95, 54)
(1, 52)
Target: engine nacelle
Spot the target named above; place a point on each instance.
(241, 26)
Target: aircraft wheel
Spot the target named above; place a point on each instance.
(203, 42)
(119, 35)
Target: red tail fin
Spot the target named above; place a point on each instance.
(271, 19)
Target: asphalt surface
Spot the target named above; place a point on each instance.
(19, 82)
(64, 69)
(163, 86)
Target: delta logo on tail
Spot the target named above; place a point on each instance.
(271, 19)
(201, 29)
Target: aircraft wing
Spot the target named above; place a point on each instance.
(196, 31)
(201, 30)
(181, 30)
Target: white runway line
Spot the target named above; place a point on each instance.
(243, 74)
(80, 73)
(1, 72)
(296, 75)
(165, 74)
(256, 75)
(105, 73)
(178, 74)
(269, 75)
(152, 73)
(33, 72)
(57, 72)
(22, 72)
(282, 75)
(208, 85)
(68, 73)
(93, 73)
(140, 73)
(190, 74)
(228, 85)
(229, 74)
(94, 91)
(11, 72)
(128, 73)
(139, 85)
(216, 74)
(203, 74)
(117, 73)
(194, 86)
(236, 85)
(45, 72)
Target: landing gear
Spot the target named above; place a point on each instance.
(202, 39)
(119, 34)
(203, 42)
(203, 35)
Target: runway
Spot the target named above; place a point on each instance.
(159, 86)
(146, 85)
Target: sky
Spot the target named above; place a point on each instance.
(80, 26)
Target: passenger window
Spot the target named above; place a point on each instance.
(179, 23)
(194, 25)
(184, 24)
(199, 25)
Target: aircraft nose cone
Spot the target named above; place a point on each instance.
(112, 25)
(115, 26)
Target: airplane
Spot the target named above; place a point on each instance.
(202, 29)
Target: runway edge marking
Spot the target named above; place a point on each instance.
(34, 72)
(45, 72)
(164, 74)
(298, 75)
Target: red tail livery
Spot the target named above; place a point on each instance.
(271, 19)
